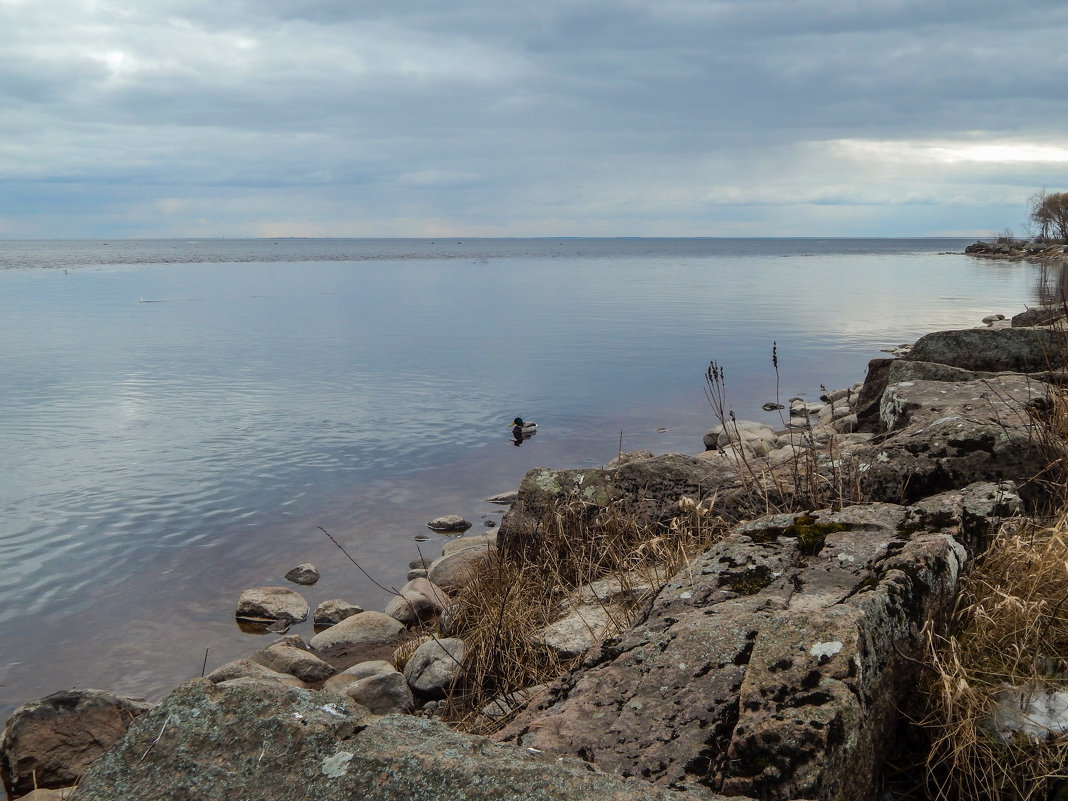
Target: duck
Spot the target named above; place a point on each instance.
(523, 428)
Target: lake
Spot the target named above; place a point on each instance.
(178, 418)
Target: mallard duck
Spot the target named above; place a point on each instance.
(523, 428)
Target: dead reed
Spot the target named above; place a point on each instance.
(610, 558)
(995, 674)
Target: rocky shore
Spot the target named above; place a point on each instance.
(775, 665)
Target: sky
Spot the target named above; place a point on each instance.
(360, 118)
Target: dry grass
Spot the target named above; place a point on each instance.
(1010, 631)
(816, 475)
(500, 613)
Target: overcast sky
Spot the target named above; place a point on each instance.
(144, 118)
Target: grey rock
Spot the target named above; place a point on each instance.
(272, 603)
(361, 670)
(278, 744)
(449, 523)
(435, 666)
(295, 661)
(577, 632)
(1042, 315)
(332, 612)
(366, 630)
(812, 622)
(50, 742)
(1017, 350)
(650, 488)
(473, 541)
(504, 498)
(947, 435)
(250, 669)
(411, 608)
(457, 569)
(383, 693)
(305, 574)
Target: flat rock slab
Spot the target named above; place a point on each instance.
(277, 744)
(946, 435)
(770, 667)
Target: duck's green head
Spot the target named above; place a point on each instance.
(518, 422)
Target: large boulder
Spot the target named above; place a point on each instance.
(1017, 350)
(648, 488)
(277, 744)
(772, 666)
(51, 741)
(946, 435)
(374, 634)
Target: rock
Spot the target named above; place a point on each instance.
(332, 612)
(1043, 315)
(61, 794)
(504, 498)
(758, 435)
(361, 670)
(650, 489)
(411, 608)
(240, 669)
(370, 632)
(272, 603)
(947, 435)
(305, 574)
(417, 573)
(449, 523)
(772, 666)
(422, 563)
(1017, 350)
(382, 693)
(279, 744)
(457, 569)
(435, 666)
(295, 661)
(577, 632)
(474, 541)
(504, 705)
(990, 319)
(871, 394)
(50, 742)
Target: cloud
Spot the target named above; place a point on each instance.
(680, 116)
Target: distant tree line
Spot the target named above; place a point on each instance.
(1049, 215)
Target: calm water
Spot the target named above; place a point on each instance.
(177, 418)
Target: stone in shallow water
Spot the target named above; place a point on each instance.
(449, 523)
(305, 574)
(272, 603)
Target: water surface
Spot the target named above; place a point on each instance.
(177, 418)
